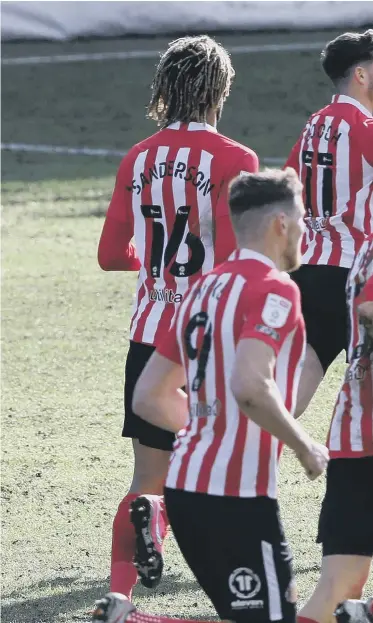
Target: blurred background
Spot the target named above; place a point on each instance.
(75, 85)
(77, 74)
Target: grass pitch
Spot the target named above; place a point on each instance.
(65, 325)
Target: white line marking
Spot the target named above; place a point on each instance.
(55, 149)
(87, 151)
(128, 54)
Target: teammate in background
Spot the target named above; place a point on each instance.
(171, 195)
(346, 519)
(237, 344)
(334, 160)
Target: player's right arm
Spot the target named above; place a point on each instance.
(253, 382)
(293, 159)
(115, 250)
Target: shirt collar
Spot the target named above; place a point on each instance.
(193, 126)
(248, 254)
(345, 99)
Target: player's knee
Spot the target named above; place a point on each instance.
(150, 469)
(148, 481)
(342, 584)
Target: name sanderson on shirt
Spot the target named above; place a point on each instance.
(170, 168)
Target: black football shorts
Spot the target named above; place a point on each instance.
(134, 427)
(324, 307)
(237, 551)
(346, 518)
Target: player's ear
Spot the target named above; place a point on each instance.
(280, 223)
(360, 75)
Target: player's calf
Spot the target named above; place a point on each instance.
(342, 577)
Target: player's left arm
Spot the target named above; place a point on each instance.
(115, 250)
(225, 241)
(363, 135)
(158, 398)
(293, 158)
(269, 321)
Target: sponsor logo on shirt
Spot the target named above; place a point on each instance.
(318, 223)
(267, 331)
(204, 409)
(165, 296)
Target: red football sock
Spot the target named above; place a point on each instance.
(123, 572)
(142, 617)
(164, 517)
(305, 620)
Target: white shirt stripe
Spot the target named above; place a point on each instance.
(207, 435)
(157, 199)
(219, 470)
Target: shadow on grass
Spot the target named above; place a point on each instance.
(77, 597)
(306, 569)
(81, 596)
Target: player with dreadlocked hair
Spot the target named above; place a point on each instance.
(171, 195)
(192, 81)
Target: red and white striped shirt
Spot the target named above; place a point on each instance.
(334, 160)
(171, 193)
(351, 431)
(221, 451)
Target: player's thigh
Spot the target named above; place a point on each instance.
(236, 550)
(346, 517)
(324, 307)
(135, 427)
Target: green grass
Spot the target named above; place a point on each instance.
(65, 328)
(102, 104)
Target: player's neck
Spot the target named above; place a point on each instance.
(359, 97)
(269, 251)
(211, 118)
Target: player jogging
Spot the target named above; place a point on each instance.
(171, 195)
(237, 344)
(334, 160)
(346, 519)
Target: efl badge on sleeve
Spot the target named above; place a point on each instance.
(276, 311)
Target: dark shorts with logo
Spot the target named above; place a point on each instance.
(346, 518)
(324, 307)
(237, 551)
(134, 427)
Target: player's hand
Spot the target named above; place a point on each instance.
(366, 315)
(314, 460)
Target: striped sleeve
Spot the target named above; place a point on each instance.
(169, 346)
(273, 316)
(293, 159)
(225, 241)
(363, 134)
